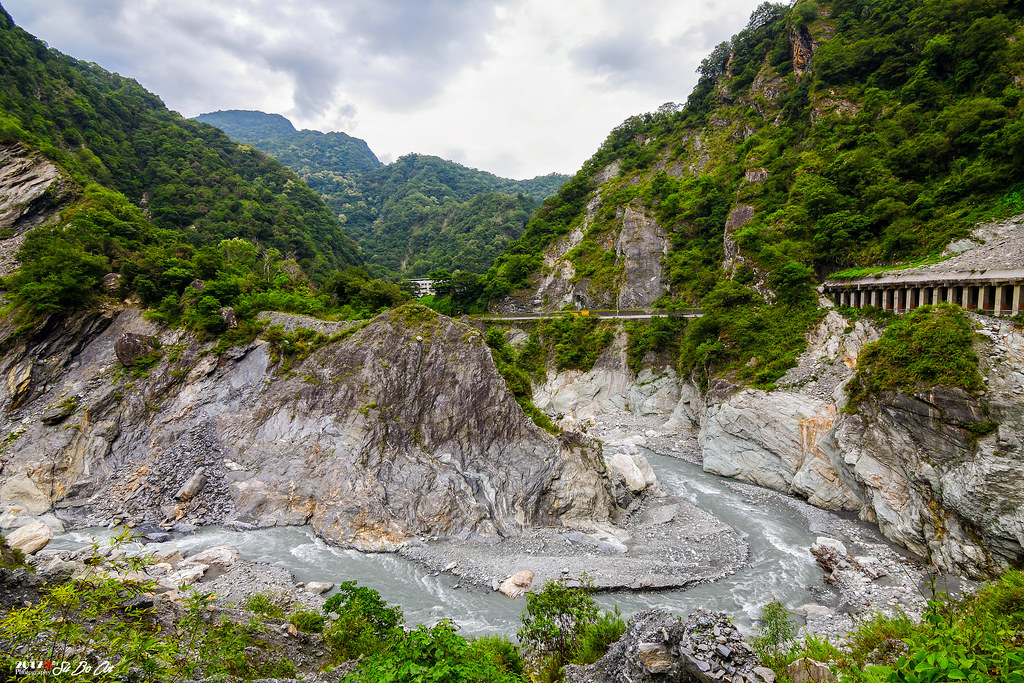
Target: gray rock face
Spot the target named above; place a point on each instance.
(31, 190)
(404, 429)
(906, 461)
(658, 647)
(641, 245)
(24, 181)
(638, 244)
(773, 440)
(931, 485)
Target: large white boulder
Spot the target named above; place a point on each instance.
(30, 538)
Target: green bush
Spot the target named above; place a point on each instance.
(977, 638)
(438, 654)
(363, 622)
(776, 636)
(307, 621)
(929, 346)
(90, 620)
(264, 604)
(562, 625)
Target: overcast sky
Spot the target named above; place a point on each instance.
(517, 87)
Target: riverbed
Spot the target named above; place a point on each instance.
(777, 530)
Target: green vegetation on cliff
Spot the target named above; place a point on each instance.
(929, 346)
(822, 136)
(418, 214)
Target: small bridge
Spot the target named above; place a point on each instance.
(624, 314)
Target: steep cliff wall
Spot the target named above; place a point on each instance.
(401, 430)
(31, 190)
(939, 470)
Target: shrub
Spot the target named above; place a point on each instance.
(364, 622)
(263, 604)
(562, 625)
(439, 654)
(927, 347)
(775, 639)
(307, 621)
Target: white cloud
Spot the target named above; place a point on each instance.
(517, 87)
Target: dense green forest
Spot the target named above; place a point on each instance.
(857, 132)
(416, 215)
(163, 201)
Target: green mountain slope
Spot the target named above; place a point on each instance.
(303, 151)
(415, 215)
(159, 200)
(822, 136)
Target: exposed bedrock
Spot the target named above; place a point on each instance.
(915, 463)
(402, 430)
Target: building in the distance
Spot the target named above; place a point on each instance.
(422, 287)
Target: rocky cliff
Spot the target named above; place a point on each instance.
(31, 188)
(393, 431)
(937, 469)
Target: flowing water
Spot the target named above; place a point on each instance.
(780, 565)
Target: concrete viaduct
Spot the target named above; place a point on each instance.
(996, 292)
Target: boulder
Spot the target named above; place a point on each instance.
(634, 469)
(193, 486)
(187, 575)
(517, 584)
(129, 347)
(227, 314)
(220, 556)
(30, 538)
(318, 587)
(806, 670)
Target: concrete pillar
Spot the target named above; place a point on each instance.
(999, 301)
(842, 297)
(965, 298)
(982, 297)
(935, 295)
(1016, 300)
(950, 292)
(875, 298)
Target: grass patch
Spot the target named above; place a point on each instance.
(264, 604)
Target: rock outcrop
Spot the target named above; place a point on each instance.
(915, 463)
(659, 647)
(31, 189)
(635, 241)
(403, 430)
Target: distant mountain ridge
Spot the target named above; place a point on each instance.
(415, 215)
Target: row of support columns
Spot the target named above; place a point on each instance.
(995, 299)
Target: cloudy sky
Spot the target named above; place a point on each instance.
(515, 87)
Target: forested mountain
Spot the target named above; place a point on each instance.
(415, 215)
(822, 136)
(156, 199)
(305, 151)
